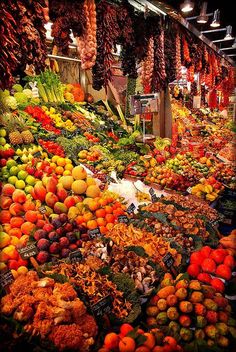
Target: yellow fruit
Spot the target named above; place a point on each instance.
(90, 181)
(93, 191)
(68, 167)
(78, 186)
(54, 158)
(5, 239)
(67, 173)
(2, 266)
(66, 181)
(14, 273)
(22, 270)
(208, 163)
(203, 160)
(79, 173)
(61, 162)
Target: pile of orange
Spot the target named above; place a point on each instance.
(61, 166)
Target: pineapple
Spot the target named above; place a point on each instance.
(13, 124)
(15, 138)
(27, 137)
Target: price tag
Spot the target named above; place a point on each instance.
(95, 233)
(37, 155)
(214, 223)
(75, 256)
(168, 260)
(42, 209)
(104, 306)
(151, 191)
(131, 208)
(6, 278)
(28, 251)
(123, 219)
(154, 198)
(174, 245)
(189, 190)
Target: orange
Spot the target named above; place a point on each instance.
(100, 213)
(101, 221)
(108, 209)
(150, 342)
(88, 216)
(53, 165)
(111, 340)
(61, 162)
(79, 220)
(125, 328)
(109, 226)
(127, 344)
(110, 218)
(93, 205)
(69, 167)
(103, 229)
(59, 170)
(92, 224)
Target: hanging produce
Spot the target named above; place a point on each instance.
(170, 53)
(186, 53)
(107, 33)
(159, 74)
(87, 43)
(178, 56)
(146, 69)
(66, 16)
(22, 40)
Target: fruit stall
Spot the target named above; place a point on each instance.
(113, 236)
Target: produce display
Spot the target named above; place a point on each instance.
(110, 241)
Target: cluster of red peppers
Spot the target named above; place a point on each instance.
(91, 138)
(52, 147)
(40, 116)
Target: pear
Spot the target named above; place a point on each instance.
(24, 158)
(19, 152)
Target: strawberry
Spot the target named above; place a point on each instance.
(218, 255)
(208, 265)
(224, 271)
(193, 270)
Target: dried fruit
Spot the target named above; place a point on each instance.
(196, 297)
(162, 318)
(211, 331)
(186, 307)
(172, 313)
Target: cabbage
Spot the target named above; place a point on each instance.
(17, 87)
(28, 93)
(11, 102)
(21, 97)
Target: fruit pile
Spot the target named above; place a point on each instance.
(129, 339)
(208, 189)
(183, 304)
(211, 266)
(57, 118)
(165, 177)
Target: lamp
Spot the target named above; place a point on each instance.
(216, 19)
(203, 18)
(187, 6)
(228, 35)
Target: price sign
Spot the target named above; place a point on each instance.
(6, 278)
(37, 155)
(95, 233)
(123, 219)
(75, 256)
(154, 198)
(102, 307)
(168, 260)
(189, 190)
(28, 251)
(131, 208)
(151, 191)
(42, 209)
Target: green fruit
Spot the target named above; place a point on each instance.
(22, 175)
(20, 184)
(30, 180)
(3, 132)
(12, 180)
(11, 163)
(2, 141)
(14, 170)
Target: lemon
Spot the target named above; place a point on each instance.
(3, 132)
(20, 184)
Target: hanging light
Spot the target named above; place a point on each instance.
(234, 44)
(203, 18)
(187, 6)
(228, 35)
(216, 19)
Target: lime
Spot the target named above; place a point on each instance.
(2, 141)
(14, 170)
(28, 189)
(30, 180)
(11, 163)
(20, 184)
(22, 175)
(3, 132)
(12, 180)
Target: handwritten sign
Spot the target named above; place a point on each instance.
(189, 190)
(42, 209)
(75, 256)
(131, 208)
(151, 191)
(28, 251)
(6, 278)
(102, 307)
(95, 233)
(168, 260)
(154, 198)
(37, 155)
(123, 219)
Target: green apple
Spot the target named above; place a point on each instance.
(11, 163)
(22, 175)
(14, 170)
(30, 180)
(2, 141)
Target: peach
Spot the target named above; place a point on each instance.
(51, 199)
(5, 239)
(70, 201)
(51, 184)
(3, 257)
(79, 173)
(5, 216)
(19, 196)
(40, 191)
(24, 240)
(29, 205)
(27, 228)
(5, 202)
(60, 208)
(16, 221)
(61, 192)
(16, 209)
(40, 224)
(11, 252)
(14, 241)
(79, 187)
(67, 181)
(15, 231)
(31, 216)
(8, 189)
